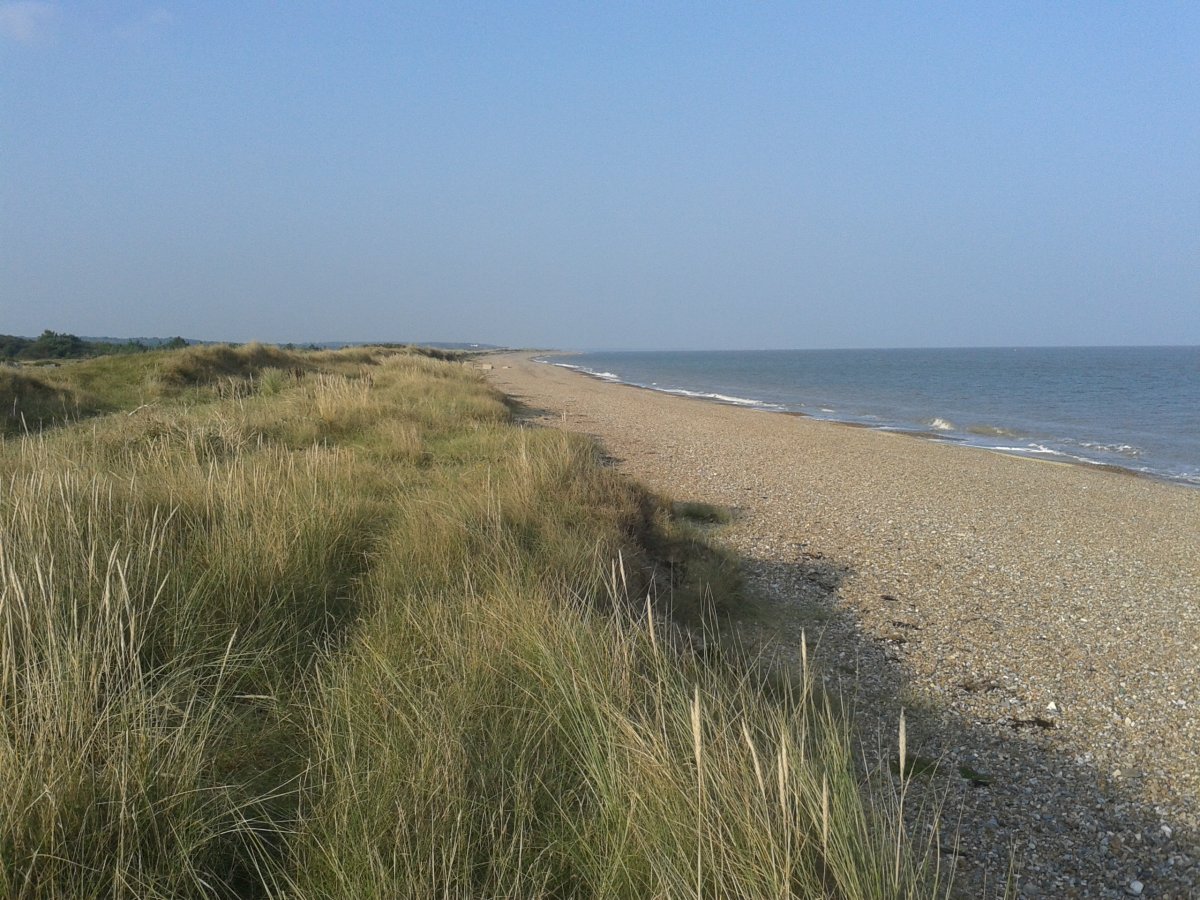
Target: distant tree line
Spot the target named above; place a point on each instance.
(57, 345)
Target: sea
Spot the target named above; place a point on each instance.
(1136, 408)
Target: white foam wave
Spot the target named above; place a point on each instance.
(1041, 450)
(995, 431)
(1127, 450)
(682, 392)
(722, 398)
(1033, 449)
(606, 376)
(940, 424)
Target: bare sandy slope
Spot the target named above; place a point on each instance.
(1040, 621)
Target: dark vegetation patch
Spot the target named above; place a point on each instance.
(702, 513)
(693, 581)
(54, 345)
(209, 365)
(30, 403)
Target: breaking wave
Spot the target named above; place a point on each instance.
(1126, 450)
(721, 398)
(995, 431)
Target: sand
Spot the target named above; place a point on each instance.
(1038, 621)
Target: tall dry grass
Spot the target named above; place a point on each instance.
(507, 723)
(351, 632)
(168, 578)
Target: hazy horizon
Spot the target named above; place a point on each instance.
(530, 348)
(732, 177)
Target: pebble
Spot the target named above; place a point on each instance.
(1135, 888)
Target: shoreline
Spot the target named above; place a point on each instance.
(1039, 624)
(931, 435)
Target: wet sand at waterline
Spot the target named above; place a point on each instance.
(1039, 622)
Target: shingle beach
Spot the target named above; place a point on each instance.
(1039, 622)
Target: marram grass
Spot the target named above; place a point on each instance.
(311, 625)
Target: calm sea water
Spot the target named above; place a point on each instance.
(1135, 407)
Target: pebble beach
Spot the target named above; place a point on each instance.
(1038, 622)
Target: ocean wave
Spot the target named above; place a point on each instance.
(1188, 477)
(1033, 449)
(939, 424)
(721, 398)
(1127, 450)
(995, 431)
(682, 392)
(606, 376)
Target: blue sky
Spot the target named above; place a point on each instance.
(603, 175)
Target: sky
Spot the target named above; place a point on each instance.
(603, 175)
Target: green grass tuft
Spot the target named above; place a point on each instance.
(702, 513)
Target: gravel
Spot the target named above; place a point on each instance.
(1038, 622)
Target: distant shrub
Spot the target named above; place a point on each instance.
(56, 345)
(53, 345)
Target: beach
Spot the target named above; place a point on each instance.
(1038, 622)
